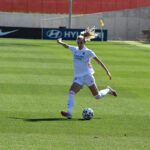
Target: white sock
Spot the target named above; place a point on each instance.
(102, 93)
(71, 101)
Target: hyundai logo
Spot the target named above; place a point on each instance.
(55, 34)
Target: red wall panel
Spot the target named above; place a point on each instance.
(49, 6)
(6, 5)
(19, 6)
(35, 6)
(62, 6)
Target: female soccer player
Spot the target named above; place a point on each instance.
(83, 71)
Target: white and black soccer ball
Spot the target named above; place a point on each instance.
(87, 113)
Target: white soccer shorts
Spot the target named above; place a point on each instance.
(85, 80)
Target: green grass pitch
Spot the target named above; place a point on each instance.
(35, 77)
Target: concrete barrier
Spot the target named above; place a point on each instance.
(123, 25)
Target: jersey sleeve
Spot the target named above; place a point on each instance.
(72, 48)
(91, 54)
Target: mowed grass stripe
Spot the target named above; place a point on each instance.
(40, 60)
(34, 55)
(37, 71)
(24, 103)
(56, 79)
(52, 140)
(67, 72)
(47, 52)
(135, 61)
(31, 89)
(30, 123)
(65, 52)
(52, 65)
(36, 79)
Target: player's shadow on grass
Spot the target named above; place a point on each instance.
(50, 119)
(53, 119)
(44, 119)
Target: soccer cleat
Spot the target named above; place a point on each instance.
(66, 114)
(112, 91)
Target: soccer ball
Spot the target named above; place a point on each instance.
(87, 113)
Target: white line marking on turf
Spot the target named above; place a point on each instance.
(135, 43)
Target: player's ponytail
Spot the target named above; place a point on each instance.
(89, 33)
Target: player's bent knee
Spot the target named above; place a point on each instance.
(71, 92)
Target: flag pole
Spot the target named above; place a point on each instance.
(70, 13)
(101, 24)
(102, 34)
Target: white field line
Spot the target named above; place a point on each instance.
(135, 43)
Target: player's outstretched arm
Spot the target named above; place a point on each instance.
(59, 41)
(103, 66)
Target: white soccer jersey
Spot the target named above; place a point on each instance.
(82, 65)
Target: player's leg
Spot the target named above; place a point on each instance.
(75, 88)
(98, 94)
(94, 90)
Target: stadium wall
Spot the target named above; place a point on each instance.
(123, 25)
(62, 6)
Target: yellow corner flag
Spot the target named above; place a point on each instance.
(101, 23)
